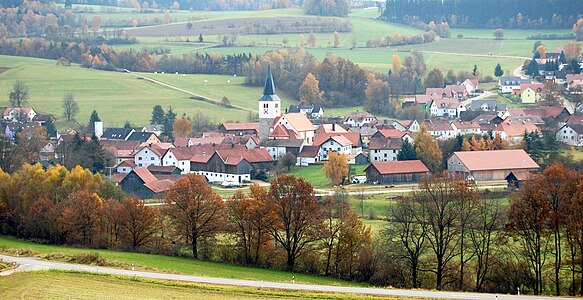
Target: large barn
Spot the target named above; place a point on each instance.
(386, 172)
(490, 165)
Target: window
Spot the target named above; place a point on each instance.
(151, 158)
(265, 105)
(139, 158)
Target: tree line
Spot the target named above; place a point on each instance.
(493, 14)
(445, 235)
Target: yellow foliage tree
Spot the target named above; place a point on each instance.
(428, 150)
(310, 90)
(182, 127)
(542, 50)
(396, 62)
(336, 168)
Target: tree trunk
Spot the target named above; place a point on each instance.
(290, 261)
(328, 260)
(194, 245)
(439, 273)
(557, 261)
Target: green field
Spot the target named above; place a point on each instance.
(172, 264)
(317, 177)
(120, 97)
(58, 285)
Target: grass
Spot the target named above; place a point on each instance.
(317, 177)
(176, 264)
(57, 285)
(116, 96)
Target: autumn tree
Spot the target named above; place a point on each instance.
(377, 95)
(428, 150)
(96, 23)
(138, 222)
(298, 216)
(80, 217)
(528, 217)
(19, 96)
(70, 106)
(542, 51)
(336, 39)
(572, 51)
(310, 91)
(354, 246)
(552, 94)
(195, 209)
(578, 29)
(336, 168)
(182, 127)
(312, 39)
(334, 212)
(396, 63)
(434, 79)
(288, 160)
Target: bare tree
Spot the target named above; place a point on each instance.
(19, 95)
(70, 107)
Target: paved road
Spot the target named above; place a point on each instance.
(28, 264)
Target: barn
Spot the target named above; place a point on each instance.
(387, 172)
(490, 165)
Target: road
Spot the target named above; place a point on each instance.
(32, 264)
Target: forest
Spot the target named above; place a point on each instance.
(487, 14)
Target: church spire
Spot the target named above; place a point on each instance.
(269, 89)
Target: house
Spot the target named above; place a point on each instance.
(19, 114)
(446, 108)
(406, 125)
(311, 111)
(278, 148)
(12, 129)
(164, 170)
(394, 133)
(158, 129)
(487, 119)
(120, 134)
(509, 83)
(571, 134)
(359, 118)
(513, 132)
(144, 137)
(180, 157)
(151, 154)
(440, 129)
(365, 133)
(330, 128)
(361, 158)
(233, 165)
(43, 118)
(516, 178)
(487, 105)
(140, 182)
(294, 125)
(384, 149)
(336, 143)
(396, 171)
(490, 165)
(308, 155)
(574, 82)
(458, 92)
(125, 166)
(464, 128)
(471, 85)
(121, 150)
(240, 128)
(529, 93)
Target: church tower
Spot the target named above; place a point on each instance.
(269, 107)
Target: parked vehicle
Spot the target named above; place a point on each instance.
(358, 179)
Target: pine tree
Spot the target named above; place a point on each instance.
(498, 71)
(407, 151)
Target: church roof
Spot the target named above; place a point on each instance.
(269, 89)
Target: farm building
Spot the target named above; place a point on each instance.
(490, 165)
(396, 171)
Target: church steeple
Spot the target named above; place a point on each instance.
(269, 89)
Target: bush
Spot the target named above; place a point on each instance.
(460, 36)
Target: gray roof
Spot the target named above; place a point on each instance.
(485, 118)
(296, 108)
(140, 136)
(288, 143)
(269, 89)
(477, 104)
(364, 130)
(513, 80)
(117, 133)
(578, 127)
(527, 118)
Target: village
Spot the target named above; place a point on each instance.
(241, 152)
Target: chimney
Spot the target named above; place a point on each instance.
(333, 126)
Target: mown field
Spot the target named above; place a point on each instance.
(120, 97)
(171, 264)
(58, 285)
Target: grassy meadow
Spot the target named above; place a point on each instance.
(57, 285)
(172, 264)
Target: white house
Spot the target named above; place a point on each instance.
(463, 128)
(311, 111)
(12, 114)
(446, 108)
(359, 118)
(571, 134)
(471, 85)
(278, 148)
(384, 149)
(509, 83)
(179, 157)
(151, 155)
(125, 167)
(338, 144)
(297, 123)
(440, 129)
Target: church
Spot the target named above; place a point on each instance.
(276, 126)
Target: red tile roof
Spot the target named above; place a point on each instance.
(517, 128)
(399, 167)
(496, 160)
(299, 122)
(353, 137)
(309, 151)
(241, 126)
(330, 128)
(144, 174)
(160, 186)
(127, 163)
(385, 143)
